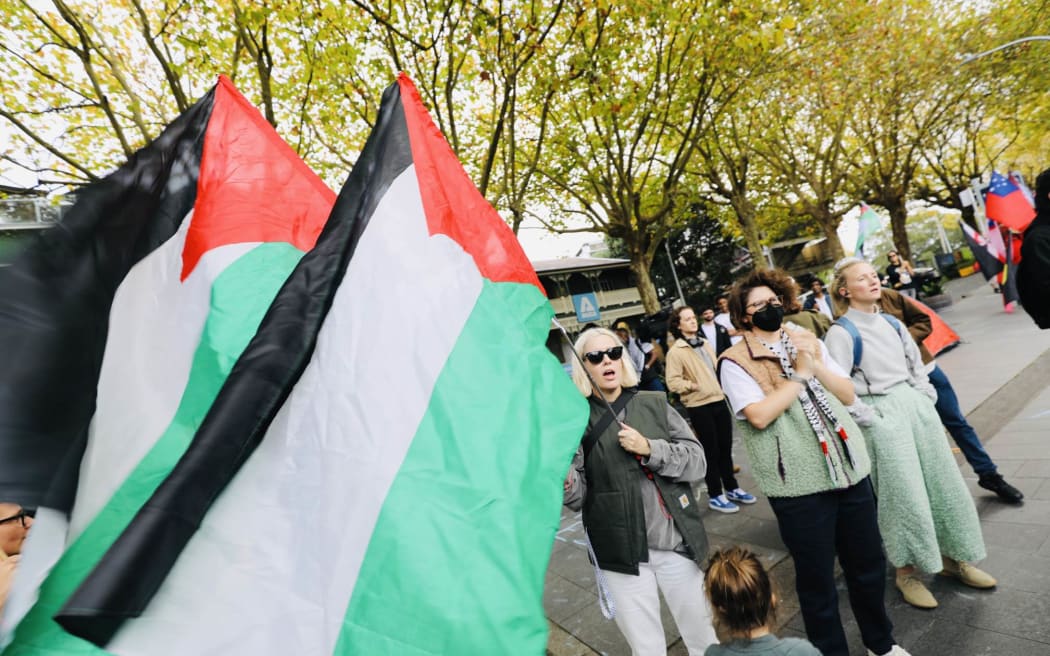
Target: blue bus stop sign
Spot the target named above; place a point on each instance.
(586, 307)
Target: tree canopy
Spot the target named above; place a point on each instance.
(620, 117)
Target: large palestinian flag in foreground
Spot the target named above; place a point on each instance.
(121, 325)
(379, 472)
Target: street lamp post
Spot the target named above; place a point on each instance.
(674, 274)
(969, 58)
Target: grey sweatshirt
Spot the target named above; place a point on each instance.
(679, 457)
(889, 358)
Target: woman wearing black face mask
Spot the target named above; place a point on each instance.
(810, 459)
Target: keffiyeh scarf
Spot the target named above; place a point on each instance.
(814, 400)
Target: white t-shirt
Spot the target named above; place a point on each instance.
(822, 305)
(710, 333)
(742, 390)
(723, 318)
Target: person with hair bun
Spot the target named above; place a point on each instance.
(744, 607)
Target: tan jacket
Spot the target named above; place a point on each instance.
(918, 322)
(689, 376)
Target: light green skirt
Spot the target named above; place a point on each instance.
(925, 508)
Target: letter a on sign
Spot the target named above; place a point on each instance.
(586, 307)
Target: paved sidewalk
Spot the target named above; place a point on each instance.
(1001, 372)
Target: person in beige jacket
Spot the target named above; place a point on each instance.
(690, 373)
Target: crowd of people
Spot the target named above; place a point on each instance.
(842, 413)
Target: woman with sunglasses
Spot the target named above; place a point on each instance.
(14, 525)
(631, 476)
(810, 460)
(691, 374)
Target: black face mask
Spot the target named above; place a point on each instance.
(768, 318)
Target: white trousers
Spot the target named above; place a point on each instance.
(638, 604)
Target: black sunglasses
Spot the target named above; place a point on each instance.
(20, 516)
(596, 357)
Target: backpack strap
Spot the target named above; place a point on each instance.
(858, 344)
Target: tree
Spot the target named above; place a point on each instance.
(627, 134)
(705, 255)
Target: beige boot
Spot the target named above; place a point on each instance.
(915, 592)
(967, 573)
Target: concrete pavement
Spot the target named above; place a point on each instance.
(1001, 372)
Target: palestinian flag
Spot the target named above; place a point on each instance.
(988, 262)
(121, 324)
(381, 471)
(868, 223)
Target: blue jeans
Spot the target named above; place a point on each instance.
(954, 420)
(818, 527)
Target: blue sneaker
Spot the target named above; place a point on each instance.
(723, 505)
(740, 496)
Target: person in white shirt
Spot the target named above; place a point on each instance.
(723, 318)
(713, 331)
(818, 301)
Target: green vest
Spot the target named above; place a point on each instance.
(786, 458)
(612, 509)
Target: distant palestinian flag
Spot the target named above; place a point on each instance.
(989, 263)
(867, 224)
(1005, 203)
(120, 327)
(381, 472)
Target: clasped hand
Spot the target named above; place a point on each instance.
(809, 355)
(633, 442)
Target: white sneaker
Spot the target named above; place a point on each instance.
(896, 650)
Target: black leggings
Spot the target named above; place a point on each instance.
(714, 429)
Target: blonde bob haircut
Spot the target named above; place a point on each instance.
(579, 376)
(842, 267)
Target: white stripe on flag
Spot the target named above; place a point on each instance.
(274, 564)
(155, 326)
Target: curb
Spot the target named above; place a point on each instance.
(996, 411)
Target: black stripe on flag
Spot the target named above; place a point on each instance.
(134, 568)
(55, 302)
(990, 264)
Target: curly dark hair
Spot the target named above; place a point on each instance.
(776, 279)
(675, 318)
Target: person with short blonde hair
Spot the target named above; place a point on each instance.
(632, 479)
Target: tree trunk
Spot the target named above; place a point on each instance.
(745, 216)
(646, 288)
(899, 224)
(830, 225)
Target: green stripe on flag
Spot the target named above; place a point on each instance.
(240, 296)
(457, 559)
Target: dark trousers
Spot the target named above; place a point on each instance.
(955, 421)
(815, 528)
(714, 429)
